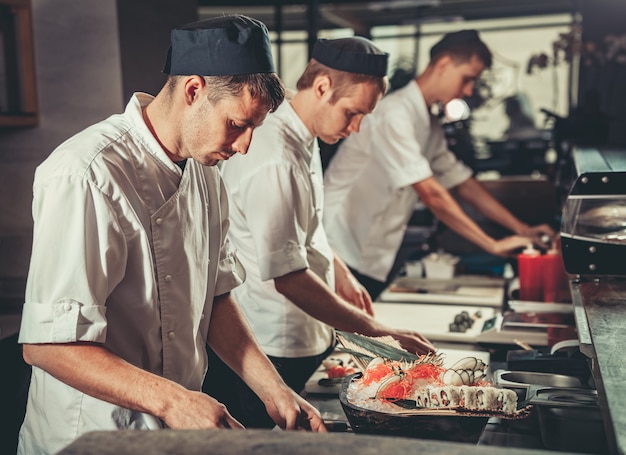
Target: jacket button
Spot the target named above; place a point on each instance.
(159, 221)
(168, 278)
(171, 335)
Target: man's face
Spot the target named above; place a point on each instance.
(337, 121)
(457, 79)
(214, 132)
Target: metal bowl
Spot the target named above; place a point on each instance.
(545, 379)
(526, 382)
(570, 420)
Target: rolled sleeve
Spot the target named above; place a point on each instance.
(281, 262)
(65, 321)
(400, 150)
(67, 303)
(447, 169)
(230, 274)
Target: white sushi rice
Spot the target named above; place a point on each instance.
(473, 398)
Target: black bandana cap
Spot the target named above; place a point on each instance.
(353, 55)
(221, 46)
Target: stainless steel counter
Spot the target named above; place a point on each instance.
(600, 308)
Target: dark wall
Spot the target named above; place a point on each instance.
(601, 19)
(144, 31)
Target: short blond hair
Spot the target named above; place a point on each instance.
(342, 82)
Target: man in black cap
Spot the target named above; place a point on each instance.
(400, 157)
(131, 269)
(296, 289)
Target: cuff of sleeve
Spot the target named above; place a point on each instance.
(230, 274)
(456, 176)
(282, 262)
(65, 321)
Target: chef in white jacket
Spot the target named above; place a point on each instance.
(131, 269)
(297, 290)
(400, 156)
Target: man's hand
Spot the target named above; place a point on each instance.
(542, 235)
(198, 410)
(508, 246)
(353, 292)
(292, 412)
(412, 341)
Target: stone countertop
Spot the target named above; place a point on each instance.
(604, 308)
(268, 442)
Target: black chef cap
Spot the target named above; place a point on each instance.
(353, 55)
(221, 46)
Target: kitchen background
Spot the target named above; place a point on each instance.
(90, 55)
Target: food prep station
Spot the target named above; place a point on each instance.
(432, 319)
(576, 388)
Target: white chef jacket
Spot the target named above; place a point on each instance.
(368, 184)
(276, 193)
(128, 252)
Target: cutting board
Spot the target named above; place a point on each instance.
(313, 386)
(462, 290)
(433, 320)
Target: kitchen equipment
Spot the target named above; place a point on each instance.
(593, 227)
(525, 383)
(570, 420)
(432, 320)
(440, 265)
(532, 322)
(568, 360)
(476, 290)
(414, 269)
(494, 331)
